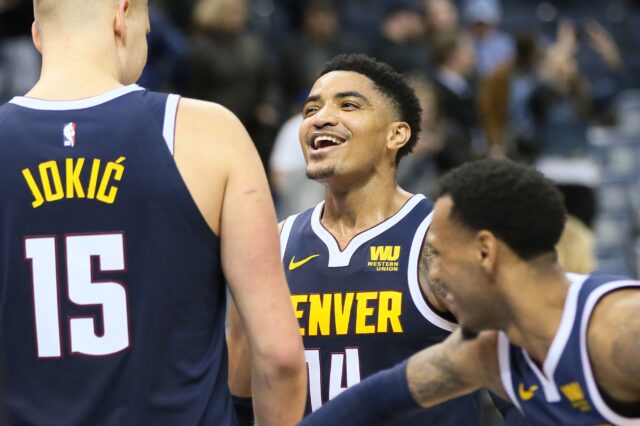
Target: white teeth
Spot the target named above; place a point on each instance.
(331, 139)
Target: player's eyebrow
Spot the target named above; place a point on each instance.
(352, 94)
(340, 95)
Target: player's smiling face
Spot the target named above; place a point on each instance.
(455, 264)
(346, 123)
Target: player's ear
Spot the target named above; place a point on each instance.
(120, 25)
(399, 135)
(36, 36)
(487, 250)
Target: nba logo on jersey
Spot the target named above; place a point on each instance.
(69, 133)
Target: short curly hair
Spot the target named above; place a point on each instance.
(391, 84)
(513, 201)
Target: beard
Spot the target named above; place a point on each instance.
(321, 174)
(468, 334)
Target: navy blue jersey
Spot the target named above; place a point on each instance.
(112, 299)
(361, 310)
(564, 391)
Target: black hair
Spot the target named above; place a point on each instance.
(391, 84)
(513, 201)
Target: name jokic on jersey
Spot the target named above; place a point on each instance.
(47, 183)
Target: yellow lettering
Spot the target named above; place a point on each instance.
(385, 253)
(57, 193)
(377, 252)
(93, 180)
(319, 314)
(295, 299)
(118, 170)
(35, 191)
(394, 253)
(363, 312)
(389, 311)
(342, 312)
(74, 185)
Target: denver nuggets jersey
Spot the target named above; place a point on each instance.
(564, 391)
(112, 300)
(361, 310)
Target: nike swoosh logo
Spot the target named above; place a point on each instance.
(526, 394)
(294, 265)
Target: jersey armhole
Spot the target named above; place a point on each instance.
(413, 280)
(169, 126)
(285, 232)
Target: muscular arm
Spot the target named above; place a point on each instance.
(614, 345)
(441, 372)
(222, 170)
(454, 368)
(239, 354)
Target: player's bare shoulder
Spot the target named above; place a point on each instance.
(210, 143)
(614, 343)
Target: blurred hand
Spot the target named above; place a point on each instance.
(559, 66)
(602, 42)
(566, 42)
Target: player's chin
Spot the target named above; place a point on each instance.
(320, 173)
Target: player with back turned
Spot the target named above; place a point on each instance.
(562, 347)
(123, 212)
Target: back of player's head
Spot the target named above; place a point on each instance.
(391, 84)
(78, 12)
(512, 201)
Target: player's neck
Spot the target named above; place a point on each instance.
(349, 212)
(536, 302)
(72, 74)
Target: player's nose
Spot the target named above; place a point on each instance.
(325, 117)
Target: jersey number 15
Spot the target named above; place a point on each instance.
(82, 290)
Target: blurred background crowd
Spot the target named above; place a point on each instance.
(555, 84)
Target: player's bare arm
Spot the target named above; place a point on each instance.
(239, 354)
(614, 345)
(432, 290)
(455, 367)
(213, 147)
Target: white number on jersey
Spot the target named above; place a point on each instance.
(338, 369)
(111, 296)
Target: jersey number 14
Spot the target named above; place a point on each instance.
(344, 366)
(81, 289)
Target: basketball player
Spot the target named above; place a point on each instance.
(352, 261)
(123, 212)
(566, 346)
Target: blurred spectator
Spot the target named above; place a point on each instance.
(168, 53)
(562, 112)
(19, 60)
(417, 172)
(303, 56)
(401, 37)
(228, 65)
(441, 16)
(455, 61)
(504, 102)
(294, 192)
(181, 12)
(360, 20)
(492, 46)
(600, 60)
